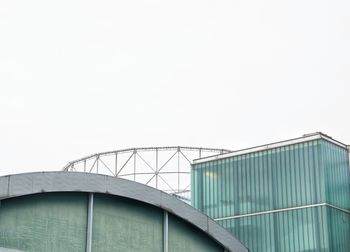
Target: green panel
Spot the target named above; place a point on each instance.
(285, 177)
(278, 178)
(290, 231)
(123, 225)
(44, 222)
(336, 166)
(185, 237)
(339, 230)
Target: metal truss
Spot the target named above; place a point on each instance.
(164, 168)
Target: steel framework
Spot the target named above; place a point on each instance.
(164, 168)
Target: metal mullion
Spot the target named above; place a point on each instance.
(165, 232)
(274, 211)
(89, 222)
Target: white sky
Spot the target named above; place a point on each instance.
(80, 76)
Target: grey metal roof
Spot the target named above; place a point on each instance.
(42, 182)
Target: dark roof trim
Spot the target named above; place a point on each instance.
(42, 182)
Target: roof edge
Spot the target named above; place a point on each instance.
(304, 138)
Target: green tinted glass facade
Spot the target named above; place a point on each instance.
(58, 222)
(126, 225)
(182, 237)
(44, 222)
(280, 199)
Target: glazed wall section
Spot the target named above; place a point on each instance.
(125, 225)
(182, 237)
(42, 222)
(310, 229)
(291, 176)
(335, 162)
(58, 222)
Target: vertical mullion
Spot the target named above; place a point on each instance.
(89, 222)
(165, 232)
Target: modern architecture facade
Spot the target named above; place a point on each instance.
(82, 212)
(288, 196)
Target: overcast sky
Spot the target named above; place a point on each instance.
(80, 76)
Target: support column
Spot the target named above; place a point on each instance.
(165, 232)
(89, 222)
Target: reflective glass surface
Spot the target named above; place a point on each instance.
(294, 176)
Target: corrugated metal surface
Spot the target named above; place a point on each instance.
(291, 176)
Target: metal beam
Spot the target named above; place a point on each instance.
(89, 222)
(165, 232)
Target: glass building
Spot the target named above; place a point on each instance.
(287, 196)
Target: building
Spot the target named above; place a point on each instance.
(287, 196)
(76, 212)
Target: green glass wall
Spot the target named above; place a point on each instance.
(44, 222)
(182, 237)
(337, 178)
(125, 225)
(286, 177)
(57, 222)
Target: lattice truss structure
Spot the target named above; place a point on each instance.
(165, 168)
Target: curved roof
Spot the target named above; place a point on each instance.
(42, 182)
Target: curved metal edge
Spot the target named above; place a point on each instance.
(44, 182)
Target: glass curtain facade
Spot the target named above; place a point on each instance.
(57, 222)
(44, 222)
(275, 200)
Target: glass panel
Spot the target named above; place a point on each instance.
(337, 173)
(185, 237)
(120, 224)
(290, 231)
(44, 222)
(291, 176)
(278, 178)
